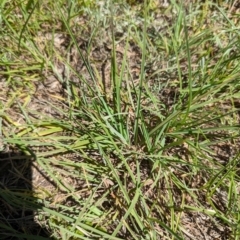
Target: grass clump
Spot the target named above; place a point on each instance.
(128, 117)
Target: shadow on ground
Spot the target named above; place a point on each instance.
(17, 203)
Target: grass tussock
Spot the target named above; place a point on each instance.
(119, 120)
